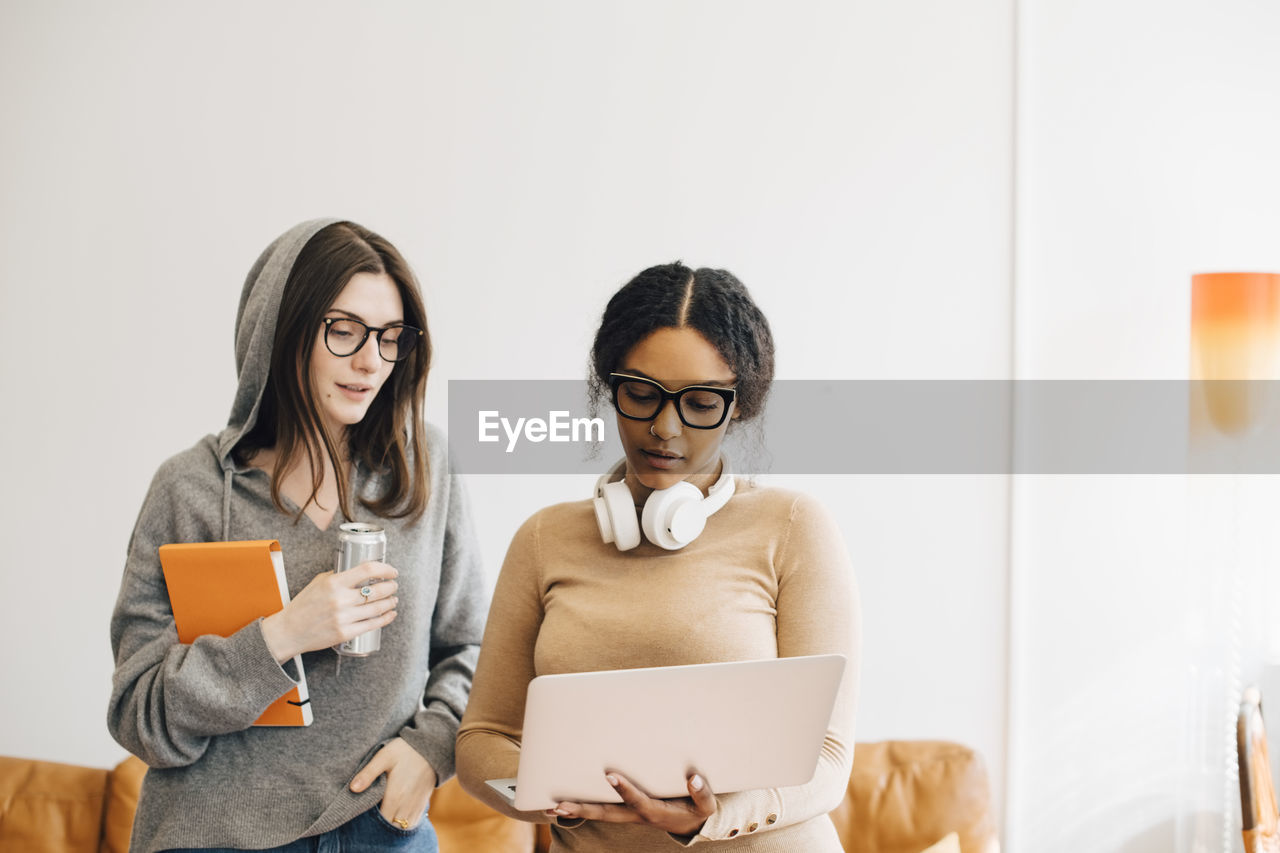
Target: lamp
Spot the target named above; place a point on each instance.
(1235, 339)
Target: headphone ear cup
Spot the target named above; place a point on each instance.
(670, 515)
(616, 516)
(688, 521)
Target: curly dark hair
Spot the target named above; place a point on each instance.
(712, 302)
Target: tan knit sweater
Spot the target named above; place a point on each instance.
(769, 577)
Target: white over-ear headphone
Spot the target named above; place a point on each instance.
(672, 517)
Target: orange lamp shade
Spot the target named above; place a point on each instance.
(1235, 335)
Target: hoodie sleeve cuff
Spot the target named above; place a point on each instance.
(433, 736)
(264, 679)
(219, 685)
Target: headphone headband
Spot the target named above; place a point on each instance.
(717, 496)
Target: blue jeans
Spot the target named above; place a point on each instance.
(367, 833)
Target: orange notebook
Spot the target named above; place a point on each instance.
(218, 588)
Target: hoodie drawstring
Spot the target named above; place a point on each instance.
(226, 504)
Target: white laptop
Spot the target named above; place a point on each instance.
(742, 725)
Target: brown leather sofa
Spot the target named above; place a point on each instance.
(903, 797)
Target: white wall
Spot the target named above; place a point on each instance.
(1147, 152)
(850, 162)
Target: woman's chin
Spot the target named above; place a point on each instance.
(658, 480)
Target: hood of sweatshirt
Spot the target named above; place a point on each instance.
(256, 331)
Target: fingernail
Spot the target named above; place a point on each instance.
(612, 780)
(696, 782)
(356, 786)
(563, 812)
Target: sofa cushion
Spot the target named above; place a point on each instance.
(466, 825)
(904, 796)
(50, 808)
(123, 785)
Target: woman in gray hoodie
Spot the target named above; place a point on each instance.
(332, 355)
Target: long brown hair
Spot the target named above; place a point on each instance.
(389, 440)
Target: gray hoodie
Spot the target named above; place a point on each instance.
(187, 710)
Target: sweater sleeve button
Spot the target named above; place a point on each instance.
(753, 827)
(771, 819)
(732, 833)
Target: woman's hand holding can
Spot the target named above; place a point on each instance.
(331, 609)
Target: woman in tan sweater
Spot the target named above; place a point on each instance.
(682, 354)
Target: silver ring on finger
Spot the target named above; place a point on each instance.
(366, 591)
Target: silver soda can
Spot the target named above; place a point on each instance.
(360, 543)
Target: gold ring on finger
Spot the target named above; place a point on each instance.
(399, 821)
(366, 591)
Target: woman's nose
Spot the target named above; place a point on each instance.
(367, 357)
(666, 424)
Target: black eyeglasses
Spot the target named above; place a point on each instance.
(699, 406)
(344, 337)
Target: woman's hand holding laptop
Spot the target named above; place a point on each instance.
(679, 816)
